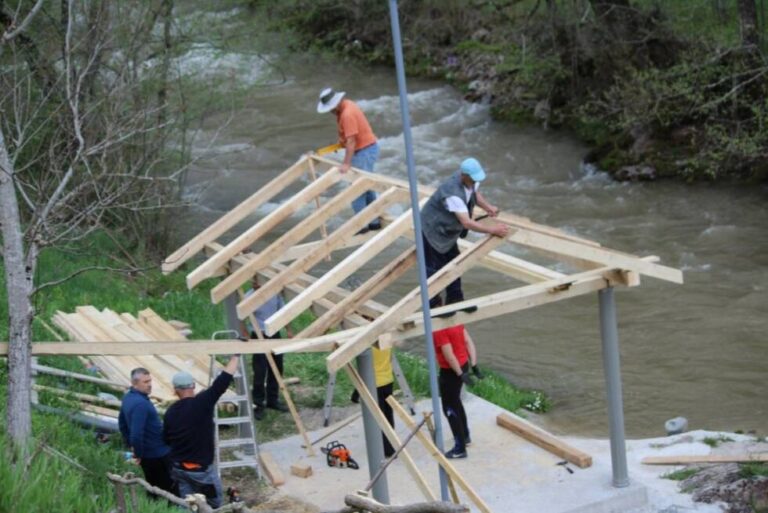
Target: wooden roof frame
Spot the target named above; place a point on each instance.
(286, 261)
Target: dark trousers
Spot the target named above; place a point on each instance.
(434, 261)
(450, 394)
(157, 472)
(383, 392)
(263, 375)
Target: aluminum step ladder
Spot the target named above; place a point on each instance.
(244, 446)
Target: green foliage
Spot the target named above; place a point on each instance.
(715, 441)
(751, 470)
(682, 474)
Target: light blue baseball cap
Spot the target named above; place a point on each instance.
(472, 168)
(183, 380)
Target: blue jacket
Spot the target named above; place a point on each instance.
(141, 427)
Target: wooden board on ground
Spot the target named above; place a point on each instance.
(271, 469)
(706, 458)
(544, 440)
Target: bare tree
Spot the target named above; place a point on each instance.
(80, 151)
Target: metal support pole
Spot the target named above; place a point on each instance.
(373, 440)
(612, 369)
(400, 69)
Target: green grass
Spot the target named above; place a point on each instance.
(750, 470)
(682, 474)
(715, 441)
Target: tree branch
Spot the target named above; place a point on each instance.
(7, 36)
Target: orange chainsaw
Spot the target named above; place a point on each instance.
(338, 455)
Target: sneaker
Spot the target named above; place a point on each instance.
(363, 231)
(277, 406)
(456, 453)
(376, 225)
(469, 309)
(445, 315)
(258, 412)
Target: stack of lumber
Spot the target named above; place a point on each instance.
(88, 324)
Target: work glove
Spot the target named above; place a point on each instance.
(477, 373)
(467, 379)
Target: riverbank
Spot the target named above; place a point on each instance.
(657, 91)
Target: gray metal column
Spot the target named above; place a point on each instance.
(612, 368)
(373, 440)
(433, 389)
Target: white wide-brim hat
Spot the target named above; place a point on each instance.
(329, 100)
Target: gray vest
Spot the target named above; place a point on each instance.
(440, 226)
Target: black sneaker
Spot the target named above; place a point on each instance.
(258, 412)
(363, 231)
(456, 453)
(376, 225)
(469, 309)
(445, 315)
(277, 406)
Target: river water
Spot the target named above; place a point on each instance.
(698, 350)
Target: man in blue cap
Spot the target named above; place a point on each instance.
(447, 215)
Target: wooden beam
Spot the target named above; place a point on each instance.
(132, 348)
(410, 302)
(514, 267)
(304, 299)
(378, 282)
(271, 468)
(705, 458)
(604, 256)
(544, 440)
(262, 227)
(234, 216)
(346, 267)
(430, 446)
(386, 429)
(288, 239)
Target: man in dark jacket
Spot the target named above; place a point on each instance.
(448, 214)
(142, 431)
(189, 430)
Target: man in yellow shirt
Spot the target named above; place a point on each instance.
(382, 368)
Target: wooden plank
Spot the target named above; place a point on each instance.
(705, 458)
(234, 216)
(544, 440)
(438, 456)
(271, 468)
(346, 267)
(132, 348)
(302, 250)
(514, 267)
(411, 302)
(262, 227)
(303, 300)
(381, 420)
(606, 257)
(288, 239)
(378, 282)
(506, 302)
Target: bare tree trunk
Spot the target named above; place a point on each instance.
(19, 284)
(750, 35)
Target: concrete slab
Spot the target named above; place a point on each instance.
(509, 473)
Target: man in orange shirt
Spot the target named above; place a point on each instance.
(357, 138)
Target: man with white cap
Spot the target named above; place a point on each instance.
(189, 431)
(361, 148)
(448, 214)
